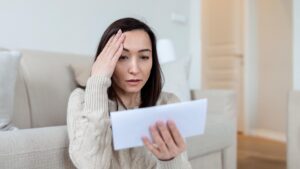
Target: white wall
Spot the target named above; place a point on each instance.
(195, 43)
(274, 66)
(250, 66)
(296, 45)
(74, 26)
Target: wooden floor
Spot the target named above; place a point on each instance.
(258, 153)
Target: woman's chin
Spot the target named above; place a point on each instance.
(133, 89)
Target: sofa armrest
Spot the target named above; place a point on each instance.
(35, 148)
(219, 101)
(220, 133)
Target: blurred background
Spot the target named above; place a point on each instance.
(248, 46)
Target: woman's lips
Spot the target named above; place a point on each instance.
(133, 82)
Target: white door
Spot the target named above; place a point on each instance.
(222, 48)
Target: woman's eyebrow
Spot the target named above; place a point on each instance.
(145, 50)
(142, 50)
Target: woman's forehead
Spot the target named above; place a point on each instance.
(137, 41)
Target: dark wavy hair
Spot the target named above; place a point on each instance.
(152, 89)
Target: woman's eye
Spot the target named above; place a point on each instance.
(145, 57)
(123, 57)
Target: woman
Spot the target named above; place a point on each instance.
(125, 75)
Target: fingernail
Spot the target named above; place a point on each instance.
(171, 121)
(119, 31)
(160, 123)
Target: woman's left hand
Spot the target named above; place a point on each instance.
(167, 141)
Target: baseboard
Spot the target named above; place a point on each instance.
(269, 134)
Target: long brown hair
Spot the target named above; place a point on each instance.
(152, 89)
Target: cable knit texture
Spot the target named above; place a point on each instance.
(90, 133)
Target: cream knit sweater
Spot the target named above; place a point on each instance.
(90, 133)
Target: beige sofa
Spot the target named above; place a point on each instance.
(43, 86)
(293, 136)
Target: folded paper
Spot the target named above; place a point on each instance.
(130, 126)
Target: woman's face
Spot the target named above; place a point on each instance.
(134, 65)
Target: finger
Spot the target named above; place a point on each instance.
(167, 137)
(157, 139)
(121, 39)
(118, 53)
(116, 45)
(120, 50)
(150, 146)
(115, 39)
(118, 34)
(108, 43)
(176, 134)
(104, 51)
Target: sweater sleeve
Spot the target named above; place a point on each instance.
(179, 162)
(89, 125)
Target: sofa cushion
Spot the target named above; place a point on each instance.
(22, 114)
(38, 148)
(176, 79)
(9, 62)
(48, 81)
(82, 71)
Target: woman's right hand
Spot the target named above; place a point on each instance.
(107, 59)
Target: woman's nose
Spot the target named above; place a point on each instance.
(134, 67)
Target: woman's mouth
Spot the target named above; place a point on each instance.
(133, 82)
